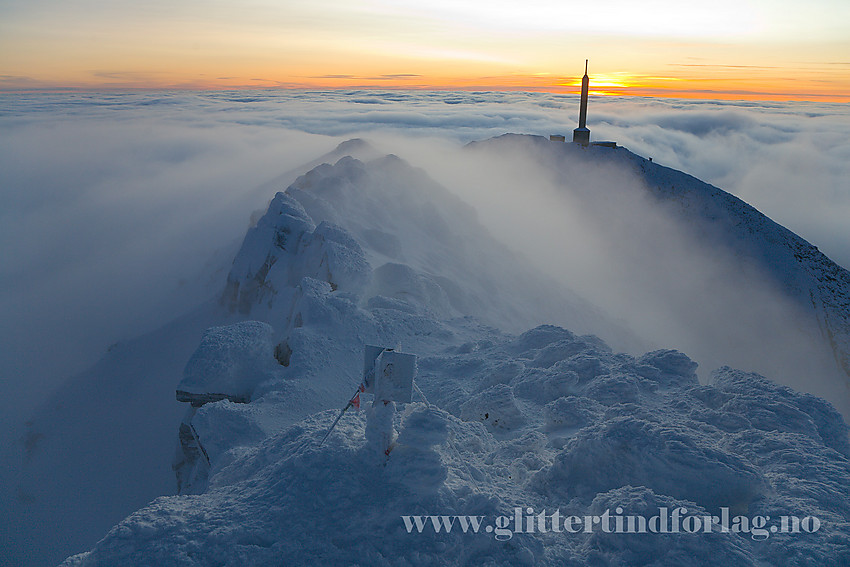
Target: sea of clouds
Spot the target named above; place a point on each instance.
(121, 211)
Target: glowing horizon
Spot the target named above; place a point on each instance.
(742, 49)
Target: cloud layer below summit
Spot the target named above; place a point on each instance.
(121, 210)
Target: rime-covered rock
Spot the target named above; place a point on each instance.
(229, 363)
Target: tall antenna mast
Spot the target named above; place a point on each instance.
(581, 135)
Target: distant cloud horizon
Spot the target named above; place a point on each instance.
(129, 81)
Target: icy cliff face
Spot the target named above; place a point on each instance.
(375, 252)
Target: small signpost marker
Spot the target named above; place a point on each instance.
(388, 374)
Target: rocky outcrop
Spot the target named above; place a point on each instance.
(228, 365)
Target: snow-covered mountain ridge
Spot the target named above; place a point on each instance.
(373, 252)
(817, 286)
(802, 271)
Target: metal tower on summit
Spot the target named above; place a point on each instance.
(581, 135)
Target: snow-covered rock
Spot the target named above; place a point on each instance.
(229, 363)
(285, 247)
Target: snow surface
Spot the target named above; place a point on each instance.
(374, 252)
(742, 442)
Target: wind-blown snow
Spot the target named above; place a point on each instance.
(374, 252)
(684, 263)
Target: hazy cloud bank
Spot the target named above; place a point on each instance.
(113, 225)
(120, 208)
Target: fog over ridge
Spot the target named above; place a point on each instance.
(120, 207)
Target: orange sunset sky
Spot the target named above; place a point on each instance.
(723, 49)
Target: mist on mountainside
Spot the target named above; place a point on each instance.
(119, 209)
(592, 225)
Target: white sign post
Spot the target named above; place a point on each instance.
(389, 376)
